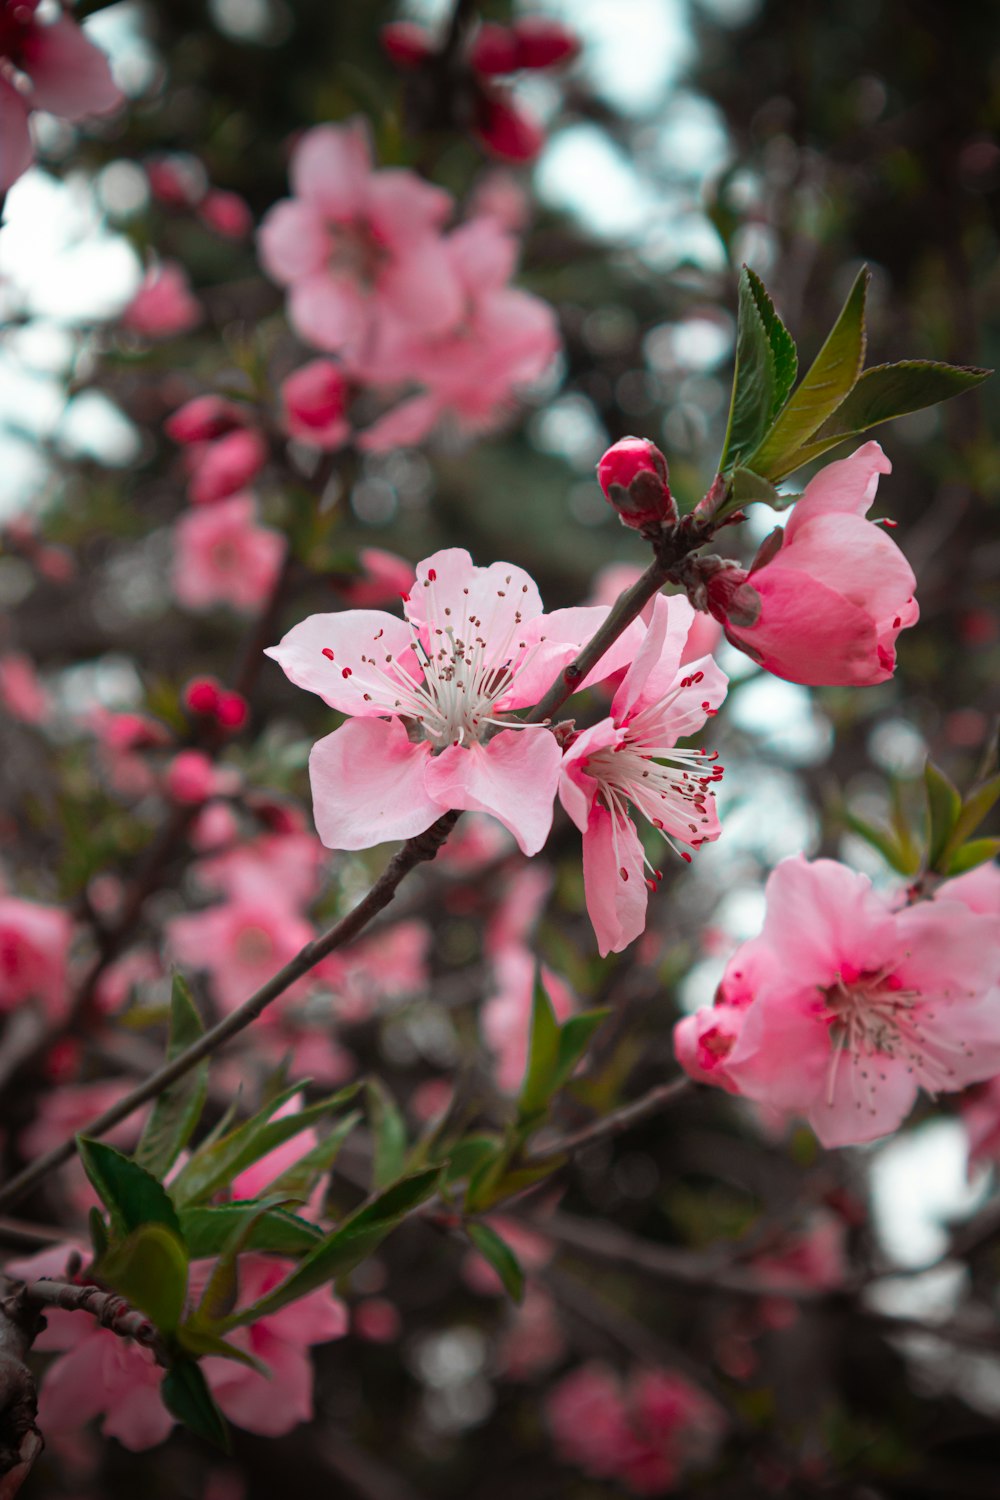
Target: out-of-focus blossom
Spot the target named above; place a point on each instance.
(827, 605)
(202, 419)
(21, 691)
(225, 465)
(34, 952)
(506, 1016)
(45, 64)
(384, 577)
(223, 556)
(193, 777)
(241, 943)
(314, 402)
(376, 1320)
(164, 305)
(227, 213)
(121, 737)
(533, 1340)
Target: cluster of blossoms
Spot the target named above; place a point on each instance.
(849, 1002)
(649, 1433)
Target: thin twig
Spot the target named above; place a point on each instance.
(110, 1310)
(616, 1123)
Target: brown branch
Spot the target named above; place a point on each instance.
(20, 1440)
(110, 1310)
(616, 1123)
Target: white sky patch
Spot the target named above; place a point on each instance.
(632, 49)
(919, 1181)
(783, 717)
(94, 427)
(584, 173)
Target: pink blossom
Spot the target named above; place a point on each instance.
(377, 1320)
(498, 195)
(533, 1340)
(504, 129)
(21, 691)
(191, 777)
(384, 578)
(837, 592)
(633, 475)
(857, 1005)
(543, 42)
(34, 952)
(474, 646)
(272, 1404)
(164, 304)
(978, 889)
(202, 419)
(61, 71)
(980, 1110)
(506, 1016)
(241, 943)
(517, 912)
(222, 556)
(290, 862)
(224, 466)
(703, 1041)
(359, 250)
(64, 1111)
(120, 738)
(390, 966)
(631, 760)
(470, 370)
(314, 401)
(814, 1257)
(227, 213)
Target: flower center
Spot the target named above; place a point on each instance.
(254, 946)
(357, 254)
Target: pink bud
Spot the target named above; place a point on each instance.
(201, 696)
(405, 43)
(504, 131)
(314, 399)
(164, 304)
(731, 598)
(633, 475)
(190, 777)
(542, 43)
(226, 465)
(231, 711)
(227, 213)
(494, 50)
(201, 420)
(177, 181)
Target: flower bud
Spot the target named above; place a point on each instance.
(226, 465)
(231, 711)
(633, 475)
(542, 43)
(190, 777)
(201, 696)
(505, 131)
(314, 399)
(731, 599)
(227, 213)
(495, 50)
(203, 419)
(405, 43)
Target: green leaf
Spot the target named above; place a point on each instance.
(493, 1188)
(976, 807)
(574, 1039)
(888, 391)
(823, 388)
(543, 1055)
(944, 806)
(299, 1180)
(187, 1396)
(213, 1166)
(493, 1248)
(203, 1341)
(468, 1155)
(207, 1230)
(131, 1195)
(749, 489)
(347, 1245)
(754, 380)
(150, 1269)
(389, 1133)
(901, 859)
(178, 1109)
(98, 1232)
(223, 1286)
(786, 359)
(973, 854)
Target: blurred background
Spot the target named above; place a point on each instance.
(689, 137)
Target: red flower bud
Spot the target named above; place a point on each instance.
(504, 131)
(633, 475)
(495, 50)
(405, 43)
(542, 43)
(203, 419)
(231, 711)
(202, 695)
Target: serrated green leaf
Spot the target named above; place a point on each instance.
(973, 854)
(823, 388)
(176, 1112)
(887, 391)
(543, 1054)
(574, 1039)
(131, 1195)
(388, 1133)
(786, 359)
(754, 383)
(944, 805)
(207, 1230)
(495, 1249)
(214, 1166)
(150, 1270)
(186, 1394)
(347, 1245)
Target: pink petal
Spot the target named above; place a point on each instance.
(514, 777)
(73, 1386)
(614, 881)
(849, 484)
(554, 639)
(655, 664)
(402, 208)
(268, 1404)
(577, 790)
(872, 1096)
(808, 633)
(368, 785)
(421, 289)
(483, 253)
(854, 558)
(450, 590)
(293, 241)
(330, 312)
(949, 951)
(345, 656)
(822, 918)
(16, 150)
(402, 427)
(139, 1418)
(331, 168)
(782, 1054)
(69, 75)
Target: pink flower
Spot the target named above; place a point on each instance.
(62, 72)
(222, 556)
(227, 464)
(383, 579)
(703, 1041)
(474, 646)
(504, 130)
(631, 759)
(63, 1111)
(21, 692)
(387, 967)
(291, 862)
(34, 952)
(857, 1005)
(191, 777)
(470, 370)
(120, 738)
(977, 889)
(272, 1404)
(359, 250)
(241, 943)
(837, 592)
(534, 1340)
(227, 213)
(164, 304)
(202, 419)
(314, 401)
(980, 1110)
(377, 1320)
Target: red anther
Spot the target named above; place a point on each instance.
(686, 681)
(201, 696)
(405, 598)
(886, 521)
(896, 623)
(623, 872)
(328, 653)
(651, 886)
(685, 856)
(346, 672)
(432, 575)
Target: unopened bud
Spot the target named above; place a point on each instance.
(203, 419)
(231, 711)
(732, 599)
(542, 43)
(633, 475)
(494, 50)
(405, 43)
(506, 131)
(201, 696)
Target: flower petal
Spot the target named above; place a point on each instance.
(69, 75)
(331, 167)
(514, 777)
(821, 917)
(849, 484)
(613, 880)
(368, 785)
(344, 657)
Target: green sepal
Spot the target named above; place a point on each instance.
(976, 852)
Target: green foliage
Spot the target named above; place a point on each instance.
(944, 804)
(178, 1109)
(131, 1195)
(388, 1133)
(150, 1269)
(187, 1396)
(553, 1052)
(208, 1229)
(493, 1248)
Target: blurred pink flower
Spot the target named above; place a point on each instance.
(533, 1340)
(21, 691)
(222, 556)
(164, 304)
(241, 943)
(227, 213)
(34, 952)
(225, 465)
(384, 578)
(506, 1015)
(314, 402)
